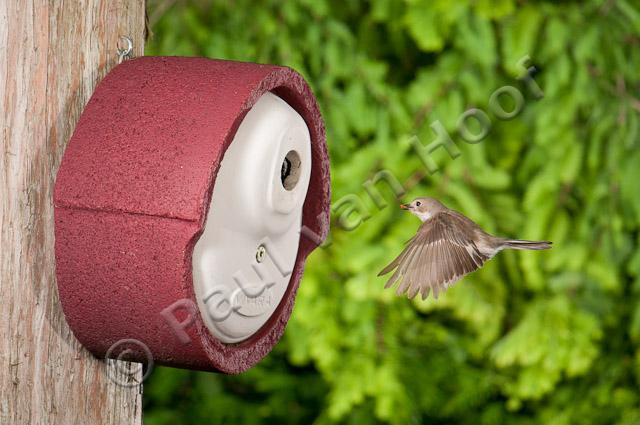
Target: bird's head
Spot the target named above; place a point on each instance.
(424, 208)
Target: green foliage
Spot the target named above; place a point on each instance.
(534, 337)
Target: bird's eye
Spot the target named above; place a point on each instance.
(418, 204)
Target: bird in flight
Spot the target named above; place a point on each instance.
(446, 247)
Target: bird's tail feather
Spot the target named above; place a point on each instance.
(522, 244)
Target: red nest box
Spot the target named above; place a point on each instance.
(186, 203)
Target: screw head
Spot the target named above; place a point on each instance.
(260, 253)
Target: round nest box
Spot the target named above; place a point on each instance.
(186, 203)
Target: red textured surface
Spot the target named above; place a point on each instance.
(132, 194)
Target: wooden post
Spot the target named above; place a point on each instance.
(52, 54)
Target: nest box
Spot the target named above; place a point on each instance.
(186, 203)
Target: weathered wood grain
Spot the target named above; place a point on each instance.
(52, 54)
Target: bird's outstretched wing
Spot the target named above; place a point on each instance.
(436, 257)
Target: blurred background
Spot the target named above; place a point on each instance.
(533, 337)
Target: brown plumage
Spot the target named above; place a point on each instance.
(446, 247)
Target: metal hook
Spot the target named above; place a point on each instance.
(125, 53)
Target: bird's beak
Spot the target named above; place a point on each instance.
(404, 206)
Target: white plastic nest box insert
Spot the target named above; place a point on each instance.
(243, 261)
